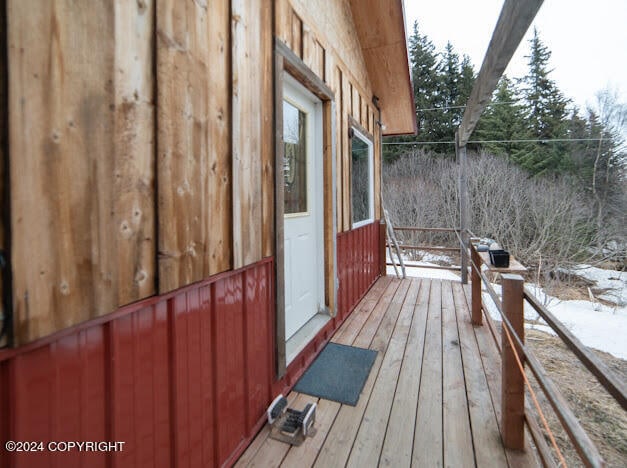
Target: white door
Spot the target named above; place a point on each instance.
(303, 193)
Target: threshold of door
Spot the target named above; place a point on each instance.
(302, 337)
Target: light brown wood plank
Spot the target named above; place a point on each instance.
(346, 156)
(399, 439)
(82, 146)
(267, 137)
(485, 431)
(458, 449)
(428, 432)
(297, 35)
(330, 258)
(372, 303)
(369, 441)
(247, 85)
(339, 149)
(5, 219)
(337, 446)
(194, 162)
(379, 323)
(491, 361)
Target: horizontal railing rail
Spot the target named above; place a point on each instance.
(515, 355)
(426, 248)
(514, 334)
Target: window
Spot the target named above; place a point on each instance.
(362, 183)
(295, 159)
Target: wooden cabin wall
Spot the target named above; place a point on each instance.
(141, 136)
(214, 137)
(4, 181)
(323, 35)
(82, 158)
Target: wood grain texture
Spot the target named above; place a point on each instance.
(249, 66)
(339, 147)
(5, 218)
(458, 448)
(381, 34)
(485, 431)
(267, 133)
(346, 224)
(82, 133)
(510, 28)
(330, 267)
(428, 443)
(193, 78)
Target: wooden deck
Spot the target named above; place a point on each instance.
(432, 397)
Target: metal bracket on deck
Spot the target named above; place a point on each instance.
(289, 425)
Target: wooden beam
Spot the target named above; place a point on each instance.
(463, 206)
(513, 22)
(293, 64)
(5, 217)
(604, 374)
(281, 364)
(475, 284)
(513, 384)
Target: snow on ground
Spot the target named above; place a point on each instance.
(414, 269)
(613, 282)
(596, 325)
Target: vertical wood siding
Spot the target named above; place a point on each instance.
(193, 120)
(183, 380)
(142, 139)
(82, 148)
(323, 35)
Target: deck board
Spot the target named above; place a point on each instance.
(458, 449)
(398, 445)
(432, 396)
(428, 449)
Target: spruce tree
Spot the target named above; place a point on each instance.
(502, 122)
(423, 61)
(546, 113)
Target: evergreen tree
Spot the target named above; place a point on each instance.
(503, 121)
(423, 60)
(546, 113)
(467, 81)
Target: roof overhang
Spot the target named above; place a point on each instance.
(380, 27)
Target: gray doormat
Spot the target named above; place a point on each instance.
(338, 373)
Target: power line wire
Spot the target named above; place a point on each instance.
(464, 106)
(546, 140)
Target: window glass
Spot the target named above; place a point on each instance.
(361, 178)
(295, 159)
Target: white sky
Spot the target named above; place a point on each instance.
(587, 39)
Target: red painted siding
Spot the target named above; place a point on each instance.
(183, 379)
(358, 265)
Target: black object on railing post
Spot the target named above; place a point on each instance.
(513, 384)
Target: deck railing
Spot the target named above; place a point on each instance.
(408, 244)
(515, 356)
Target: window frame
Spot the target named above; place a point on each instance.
(357, 132)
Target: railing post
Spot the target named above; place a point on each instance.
(513, 384)
(475, 285)
(382, 239)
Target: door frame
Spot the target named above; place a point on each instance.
(286, 61)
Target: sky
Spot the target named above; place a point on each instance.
(587, 39)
